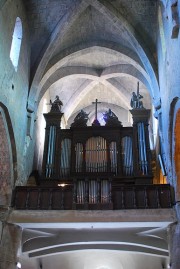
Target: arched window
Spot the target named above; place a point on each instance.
(16, 43)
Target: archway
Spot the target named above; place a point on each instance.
(7, 157)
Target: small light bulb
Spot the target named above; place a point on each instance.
(62, 185)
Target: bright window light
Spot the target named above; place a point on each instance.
(16, 43)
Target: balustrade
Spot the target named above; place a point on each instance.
(92, 194)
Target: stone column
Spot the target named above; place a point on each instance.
(174, 245)
(10, 245)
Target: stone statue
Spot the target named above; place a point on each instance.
(56, 105)
(81, 115)
(81, 119)
(109, 114)
(135, 100)
(110, 118)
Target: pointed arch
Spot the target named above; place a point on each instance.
(117, 21)
(8, 161)
(174, 132)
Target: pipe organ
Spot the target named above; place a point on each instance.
(95, 158)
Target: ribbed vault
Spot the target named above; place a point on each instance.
(95, 43)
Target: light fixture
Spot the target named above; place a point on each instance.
(62, 185)
(18, 264)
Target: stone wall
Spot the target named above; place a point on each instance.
(169, 79)
(14, 84)
(5, 163)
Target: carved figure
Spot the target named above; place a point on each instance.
(81, 115)
(110, 118)
(81, 119)
(56, 105)
(108, 115)
(135, 100)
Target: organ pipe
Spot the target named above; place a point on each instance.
(79, 157)
(127, 156)
(113, 157)
(65, 157)
(51, 152)
(143, 165)
(93, 191)
(96, 154)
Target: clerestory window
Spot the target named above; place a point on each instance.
(16, 43)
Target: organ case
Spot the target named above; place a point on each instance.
(114, 152)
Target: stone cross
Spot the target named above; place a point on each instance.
(96, 102)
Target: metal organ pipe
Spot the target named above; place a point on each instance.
(51, 151)
(105, 191)
(48, 153)
(80, 191)
(127, 156)
(96, 191)
(79, 157)
(144, 149)
(143, 166)
(113, 157)
(130, 159)
(92, 191)
(96, 154)
(65, 157)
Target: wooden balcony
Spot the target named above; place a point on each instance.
(65, 197)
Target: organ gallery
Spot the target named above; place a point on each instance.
(96, 167)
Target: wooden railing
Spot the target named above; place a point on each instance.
(65, 198)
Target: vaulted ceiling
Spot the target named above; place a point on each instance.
(87, 49)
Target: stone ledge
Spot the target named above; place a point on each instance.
(140, 217)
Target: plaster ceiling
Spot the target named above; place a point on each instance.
(96, 259)
(104, 248)
(94, 239)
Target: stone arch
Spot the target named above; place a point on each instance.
(90, 73)
(93, 77)
(63, 26)
(84, 46)
(175, 145)
(8, 173)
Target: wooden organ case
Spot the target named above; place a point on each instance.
(92, 162)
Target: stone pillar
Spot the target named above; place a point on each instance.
(174, 245)
(10, 245)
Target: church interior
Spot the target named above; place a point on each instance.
(89, 134)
